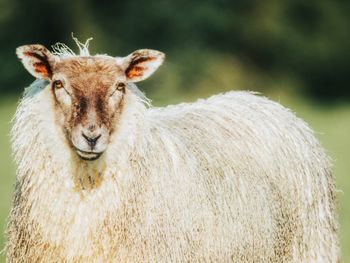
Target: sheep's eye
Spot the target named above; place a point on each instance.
(121, 87)
(57, 84)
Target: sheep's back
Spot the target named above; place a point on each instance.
(252, 171)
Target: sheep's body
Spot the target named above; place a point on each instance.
(232, 178)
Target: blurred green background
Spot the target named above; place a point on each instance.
(294, 51)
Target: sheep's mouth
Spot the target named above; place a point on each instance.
(88, 156)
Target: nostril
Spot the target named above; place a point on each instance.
(91, 140)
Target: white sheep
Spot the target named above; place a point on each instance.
(104, 177)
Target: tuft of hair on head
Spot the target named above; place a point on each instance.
(63, 51)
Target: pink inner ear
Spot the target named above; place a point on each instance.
(40, 63)
(41, 68)
(135, 71)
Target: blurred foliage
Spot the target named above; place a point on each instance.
(303, 42)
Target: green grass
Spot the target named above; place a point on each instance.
(332, 125)
(7, 172)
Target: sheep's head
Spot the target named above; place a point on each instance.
(89, 91)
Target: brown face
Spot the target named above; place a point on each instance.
(89, 91)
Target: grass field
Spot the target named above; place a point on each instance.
(332, 125)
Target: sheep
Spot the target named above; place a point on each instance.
(102, 176)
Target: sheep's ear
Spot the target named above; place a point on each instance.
(141, 64)
(37, 60)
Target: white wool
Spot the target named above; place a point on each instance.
(234, 178)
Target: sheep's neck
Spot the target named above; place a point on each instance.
(88, 176)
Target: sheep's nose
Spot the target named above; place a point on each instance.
(92, 141)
